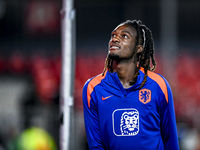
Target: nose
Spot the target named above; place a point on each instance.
(131, 121)
(116, 39)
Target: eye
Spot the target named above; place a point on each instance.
(125, 36)
(113, 35)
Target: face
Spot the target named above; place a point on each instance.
(123, 42)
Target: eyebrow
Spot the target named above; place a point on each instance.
(124, 32)
(128, 33)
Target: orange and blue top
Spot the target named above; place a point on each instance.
(129, 119)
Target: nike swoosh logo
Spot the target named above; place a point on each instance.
(104, 98)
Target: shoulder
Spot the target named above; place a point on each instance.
(160, 81)
(92, 82)
(90, 85)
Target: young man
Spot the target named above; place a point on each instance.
(128, 107)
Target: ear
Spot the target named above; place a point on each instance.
(139, 49)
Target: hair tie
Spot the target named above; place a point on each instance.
(144, 38)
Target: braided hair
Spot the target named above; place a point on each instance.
(144, 38)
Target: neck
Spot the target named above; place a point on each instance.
(125, 70)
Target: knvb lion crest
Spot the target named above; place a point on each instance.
(125, 122)
(130, 123)
(145, 96)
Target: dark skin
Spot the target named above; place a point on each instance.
(123, 45)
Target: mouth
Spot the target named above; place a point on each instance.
(114, 47)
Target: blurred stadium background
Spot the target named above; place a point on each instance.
(30, 63)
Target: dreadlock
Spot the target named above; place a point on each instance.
(144, 37)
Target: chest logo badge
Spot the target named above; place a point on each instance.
(125, 122)
(104, 98)
(145, 96)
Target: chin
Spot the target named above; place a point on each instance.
(114, 56)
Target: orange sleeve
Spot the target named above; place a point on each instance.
(95, 81)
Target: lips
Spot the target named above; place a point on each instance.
(114, 47)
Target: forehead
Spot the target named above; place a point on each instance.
(126, 28)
